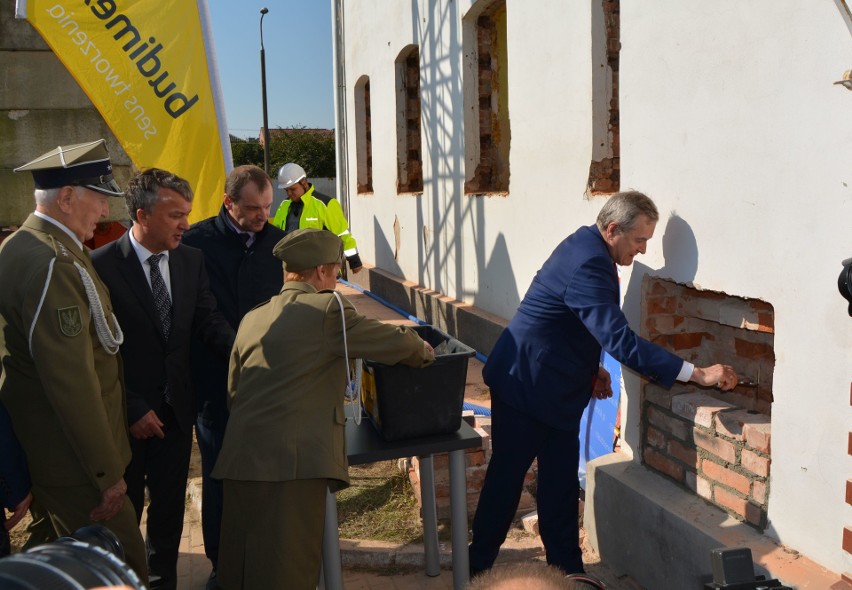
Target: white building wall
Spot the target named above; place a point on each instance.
(729, 120)
(446, 241)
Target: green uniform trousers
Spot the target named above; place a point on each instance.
(68, 509)
(272, 534)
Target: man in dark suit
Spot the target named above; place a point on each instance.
(237, 245)
(545, 367)
(162, 297)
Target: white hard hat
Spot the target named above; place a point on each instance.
(290, 174)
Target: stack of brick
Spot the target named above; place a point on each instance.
(716, 449)
(476, 463)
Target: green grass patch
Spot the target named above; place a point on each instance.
(379, 505)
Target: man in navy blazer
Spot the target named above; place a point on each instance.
(161, 298)
(545, 367)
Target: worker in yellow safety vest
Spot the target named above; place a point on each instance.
(305, 207)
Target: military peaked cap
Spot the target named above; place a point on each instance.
(307, 248)
(81, 164)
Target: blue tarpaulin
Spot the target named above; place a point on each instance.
(597, 427)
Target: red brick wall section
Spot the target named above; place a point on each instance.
(713, 448)
(410, 163)
(605, 174)
(367, 186)
(847, 531)
(489, 175)
(715, 443)
(707, 327)
(476, 463)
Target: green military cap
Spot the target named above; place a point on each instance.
(307, 248)
(81, 164)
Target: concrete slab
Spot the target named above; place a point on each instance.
(649, 528)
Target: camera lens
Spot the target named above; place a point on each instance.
(91, 557)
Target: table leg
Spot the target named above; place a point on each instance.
(458, 507)
(332, 570)
(430, 516)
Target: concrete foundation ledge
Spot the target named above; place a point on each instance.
(473, 326)
(649, 528)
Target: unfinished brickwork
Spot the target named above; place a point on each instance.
(847, 530)
(706, 327)
(605, 173)
(364, 137)
(719, 451)
(492, 169)
(715, 443)
(476, 464)
(409, 144)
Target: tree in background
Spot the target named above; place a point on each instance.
(246, 151)
(313, 149)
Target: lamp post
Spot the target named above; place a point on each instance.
(263, 12)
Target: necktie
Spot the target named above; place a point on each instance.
(162, 301)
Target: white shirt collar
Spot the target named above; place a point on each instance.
(238, 230)
(141, 251)
(50, 219)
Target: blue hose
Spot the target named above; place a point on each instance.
(478, 410)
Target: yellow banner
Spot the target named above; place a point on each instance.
(149, 68)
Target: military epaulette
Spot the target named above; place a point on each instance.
(62, 253)
(261, 304)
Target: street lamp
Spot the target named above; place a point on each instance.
(263, 11)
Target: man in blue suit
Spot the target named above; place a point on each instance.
(545, 367)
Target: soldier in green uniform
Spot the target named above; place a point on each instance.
(284, 444)
(62, 377)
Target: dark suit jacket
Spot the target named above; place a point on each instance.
(546, 359)
(240, 278)
(14, 475)
(149, 361)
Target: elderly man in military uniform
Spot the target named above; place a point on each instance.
(59, 342)
(284, 443)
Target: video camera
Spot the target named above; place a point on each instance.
(91, 557)
(733, 569)
(844, 282)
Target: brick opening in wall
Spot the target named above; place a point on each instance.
(488, 139)
(716, 444)
(409, 158)
(605, 168)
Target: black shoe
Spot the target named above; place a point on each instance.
(158, 583)
(212, 582)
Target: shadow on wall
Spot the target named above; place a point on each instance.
(435, 27)
(498, 272)
(680, 256)
(385, 252)
(446, 227)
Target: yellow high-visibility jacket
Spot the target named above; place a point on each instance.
(322, 212)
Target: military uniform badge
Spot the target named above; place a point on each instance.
(70, 321)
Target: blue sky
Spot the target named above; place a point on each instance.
(299, 72)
